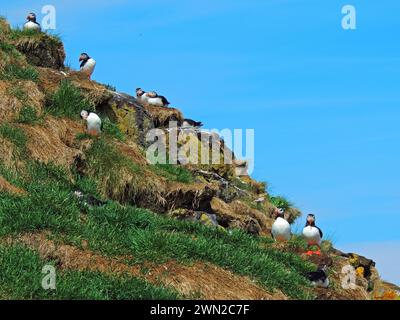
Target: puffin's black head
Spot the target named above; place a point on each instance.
(31, 17)
(310, 220)
(84, 57)
(323, 267)
(139, 92)
(279, 213)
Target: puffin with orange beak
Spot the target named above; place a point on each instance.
(312, 234)
(87, 64)
(32, 24)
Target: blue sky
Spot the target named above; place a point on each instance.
(324, 102)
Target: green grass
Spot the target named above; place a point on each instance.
(14, 72)
(68, 101)
(15, 135)
(173, 172)
(112, 130)
(280, 202)
(18, 92)
(110, 87)
(28, 115)
(105, 160)
(18, 34)
(114, 230)
(21, 277)
(83, 136)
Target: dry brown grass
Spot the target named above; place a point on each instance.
(162, 116)
(5, 186)
(11, 105)
(54, 142)
(10, 156)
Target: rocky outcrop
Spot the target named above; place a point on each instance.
(132, 118)
(42, 51)
(239, 215)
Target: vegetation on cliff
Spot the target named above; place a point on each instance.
(154, 236)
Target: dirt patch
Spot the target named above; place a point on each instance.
(209, 281)
(5, 186)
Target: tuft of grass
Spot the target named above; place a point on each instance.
(18, 34)
(18, 92)
(13, 72)
(14, 134)
(83, 136)
(280, 202)
(21, 278)
(110, 87)
(105, 156)
(112, 130)
(6, 47)
(68, 101)
(173, 172)
(28, 115)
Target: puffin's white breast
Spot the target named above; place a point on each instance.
(155, 102)
(281, 230)
(94, 122)
(311, 234)
(32, 26)
(145, 97)
(321, 284)
(89, 66)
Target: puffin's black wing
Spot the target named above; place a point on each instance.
(83, 63)
(316, 276)
(320, 232)
(164, 100)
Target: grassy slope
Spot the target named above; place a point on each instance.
(112, 230)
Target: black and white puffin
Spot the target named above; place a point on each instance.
(151, 98)
(142, 96)
(87, 64)
(312, 234)
(93, 122)
(319, 278)
(189, 123)
(281, 230)
(32, 24)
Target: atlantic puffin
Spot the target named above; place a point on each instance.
(151, 98)
(87, 64)
(32, 24)
(319, 278)
(93, 122)
(143, 96)
(312, 234)
(189, 123)
(281, 230)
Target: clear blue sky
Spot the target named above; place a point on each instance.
(324, 102)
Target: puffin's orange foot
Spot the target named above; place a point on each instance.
(309, 253)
